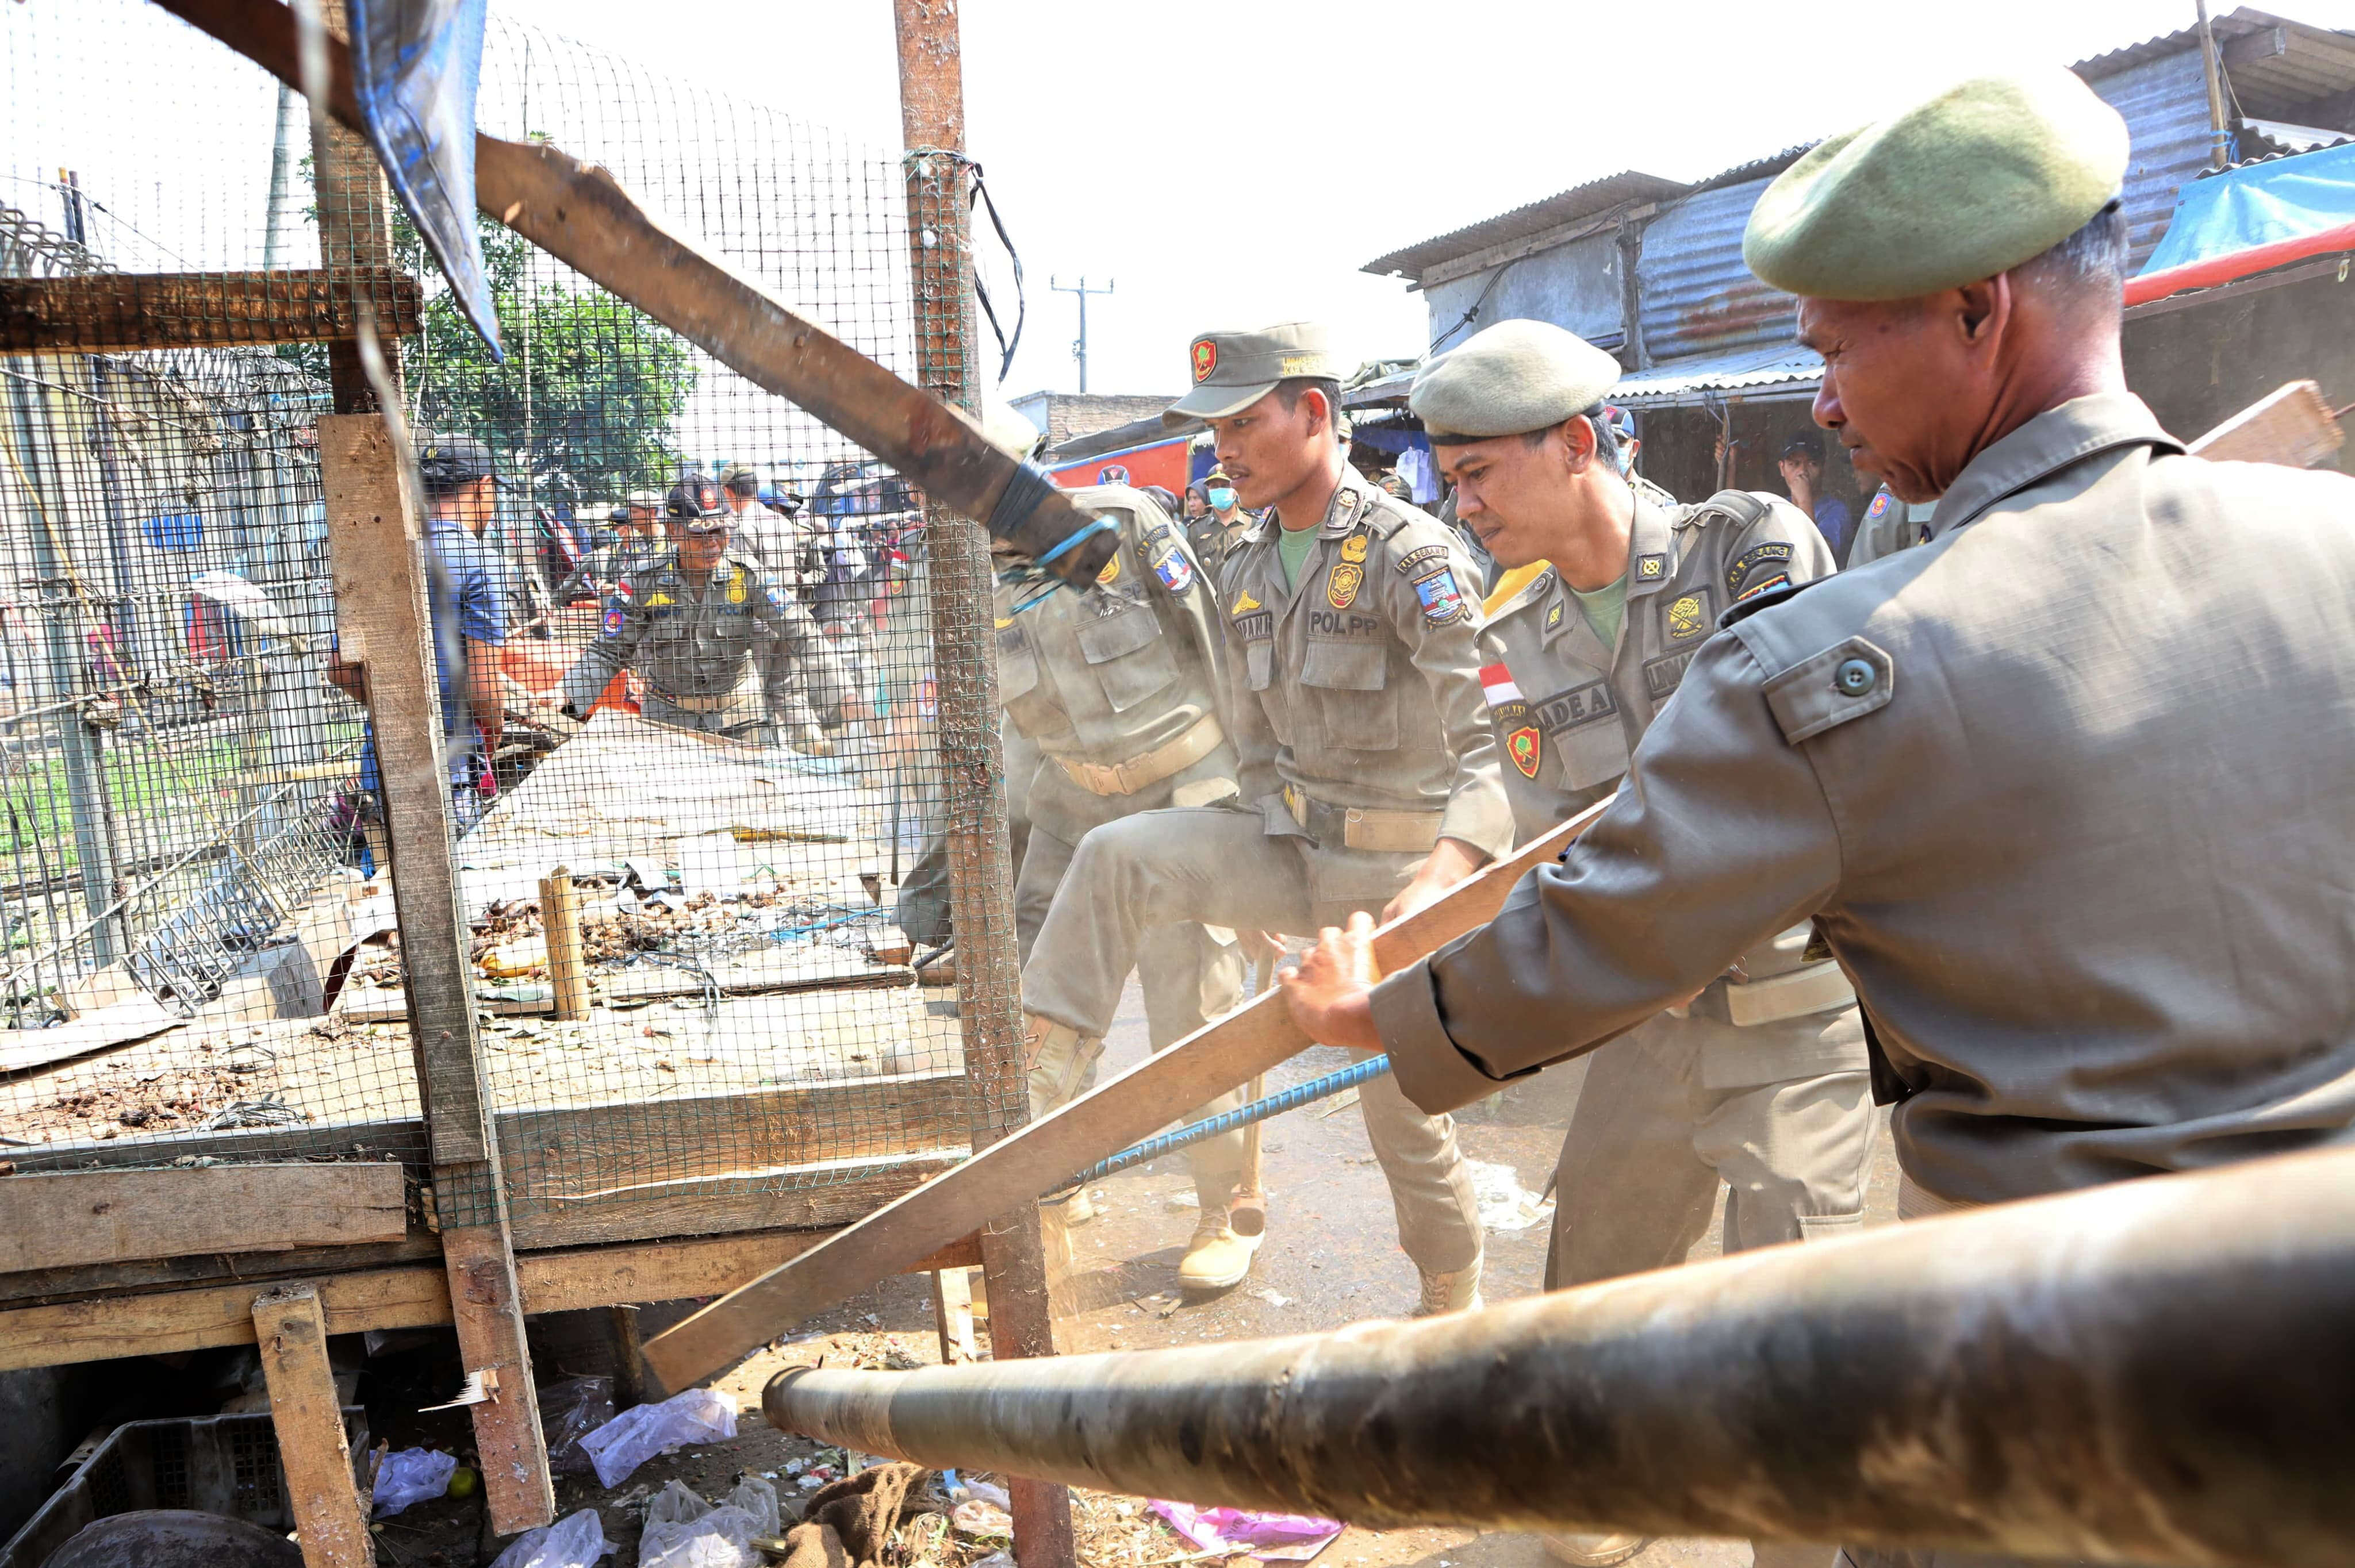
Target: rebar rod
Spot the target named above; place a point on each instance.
(2159, 1371)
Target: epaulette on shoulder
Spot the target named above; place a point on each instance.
(1742, 609)
(1746, 507)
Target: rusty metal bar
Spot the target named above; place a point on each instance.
(2157, 1372)
(981, 872)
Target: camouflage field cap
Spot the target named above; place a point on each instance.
(1232, 370)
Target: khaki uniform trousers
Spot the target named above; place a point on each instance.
(1651, 1140)
(1189, 978)
(1221, 867)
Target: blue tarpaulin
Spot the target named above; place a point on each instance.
(2259, 204)
(417, 66)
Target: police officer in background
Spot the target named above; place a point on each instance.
(1760, 1080)
(634, 542)
(1369, 776)
(1222, 525)
(1116, 689)
(693, 618)
(1890, 525)
(2073, 831)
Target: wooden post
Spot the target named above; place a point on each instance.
(981, 875)
(372, 527)
(330, 1522)
(953, 1315)
(560, 919)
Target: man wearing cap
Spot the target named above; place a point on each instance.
(2063, 788)
(1761, 1079)
(1116, 689)
(467, 596)
(691, 619)
(1802, 463)
(1369, 776)
(1222, 523)
(631, 543)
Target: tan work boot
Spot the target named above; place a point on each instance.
(1457, 1290)
(1594, 1550)
(1057, 1058)
(1217, 1258)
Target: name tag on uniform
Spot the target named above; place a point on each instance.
(1568, 710)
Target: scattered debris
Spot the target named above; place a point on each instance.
(637, 1434)
(407, 1476)
(1270, 1537)
(1505, 1204)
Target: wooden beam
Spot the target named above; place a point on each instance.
(122, 312)
(580, 214)
(2250, 48)
(413, 1296)
(373, 515)
(330, 1524)
(1253, 1039)
(2292, 424)
(73, 1218)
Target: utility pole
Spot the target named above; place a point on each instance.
(2220, 130)
(1079, 346)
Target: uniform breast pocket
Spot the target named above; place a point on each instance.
(1018, 666)
(1131, 659)
(1589, 745)
(1354, 704)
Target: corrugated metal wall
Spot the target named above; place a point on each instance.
(1575, 286)
(2165, 102)
(1697, 296)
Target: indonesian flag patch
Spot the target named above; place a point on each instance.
(1497, 682)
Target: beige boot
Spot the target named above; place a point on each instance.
(1057, 1058)
(1458, 1290)
(1217, 1258)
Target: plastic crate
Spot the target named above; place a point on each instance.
(217, 1464)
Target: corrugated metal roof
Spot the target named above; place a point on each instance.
(1566, 206)
(1703, 377)
(2165, 102)
(2316, 62)
(1764, 168)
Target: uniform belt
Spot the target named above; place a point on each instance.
(1818, 987)
(1127, 778)
(1362, 827)
(687, 704)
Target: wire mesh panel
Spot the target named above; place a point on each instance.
(693, 774)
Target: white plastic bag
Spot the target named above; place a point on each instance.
(641, 1432)
(677, 1503)
(720, 1539)
(576, 1541)
(411, 1476)
(758, 1498)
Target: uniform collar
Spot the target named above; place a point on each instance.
(2053, 441)
(1341, 513)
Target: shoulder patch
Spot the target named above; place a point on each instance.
(1417, 559)
(1170, 564)
(1750, 564)
(1844, 681)
(1765, 595)
(1442, 601)
(1651, 566)
(1881, 502)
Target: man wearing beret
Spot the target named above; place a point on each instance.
(1369, 776)
(1759, 1081)
(2064, 789)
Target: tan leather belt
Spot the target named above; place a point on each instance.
(1818, 987)
(1362, 827)
(1127, 778)
(687, 704)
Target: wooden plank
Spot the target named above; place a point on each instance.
(1253, 1039)
(568, 969)
(415, 1296)
(330, 1524)
(953, 1315)
(137, 1017)
(782, 974)
(2293, 425)
(121, 313)
(373, 526)
(580, 214)
(70, 1218)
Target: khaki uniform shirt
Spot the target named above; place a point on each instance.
(693, 643)
(1110, 675)
(1212, 539)
(607, 564)
(1360, 686)
(1568, 714)
(777, 542)
(2067, 789)
(1890, 525)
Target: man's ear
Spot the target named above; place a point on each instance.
(1985, 310)
(1578, 443)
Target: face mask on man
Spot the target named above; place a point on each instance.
(1221, 498)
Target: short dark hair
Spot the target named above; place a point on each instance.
(743, 484)
(1290, 389)
(2090, 265)
(1606, 439)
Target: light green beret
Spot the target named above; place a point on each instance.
(1961, 186)
(1506, 379)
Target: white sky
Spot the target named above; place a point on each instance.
(1125, 141)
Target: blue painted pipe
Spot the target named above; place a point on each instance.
(1241, 1116)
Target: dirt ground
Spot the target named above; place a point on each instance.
(1332, 1258)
